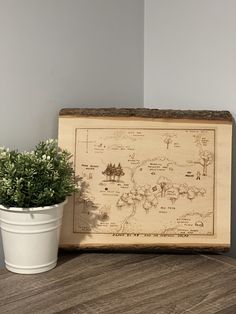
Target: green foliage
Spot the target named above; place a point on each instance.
(39, 178)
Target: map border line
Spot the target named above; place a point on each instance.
(144, 233)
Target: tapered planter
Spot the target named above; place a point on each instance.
(30, 237)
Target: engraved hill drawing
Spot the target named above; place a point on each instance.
(145, 181)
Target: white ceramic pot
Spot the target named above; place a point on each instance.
(30, 237)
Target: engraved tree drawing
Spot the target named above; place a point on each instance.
(119, 172)
(108, 172)
(111, 172)
(173, 194)
(206, 156)
(191, 194)
(149, 196)
(168, 139)
(183, 189)
(206, 160)
(200, 139)
(164, 184)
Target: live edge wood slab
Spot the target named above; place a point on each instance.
(149, 113)
(124, 283)
(151, 179)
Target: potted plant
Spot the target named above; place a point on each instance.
(33, 190)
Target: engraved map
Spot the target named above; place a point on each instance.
(146, 181)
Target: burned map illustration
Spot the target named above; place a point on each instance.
(145, 181)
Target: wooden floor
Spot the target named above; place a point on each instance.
(124, 283)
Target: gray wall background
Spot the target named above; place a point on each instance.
(190, 63)
(190, 49)
(65, 53)
(56, 53)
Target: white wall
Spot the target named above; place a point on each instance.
(190, 54)
(190, 60)
(58, 53)
(66, 53)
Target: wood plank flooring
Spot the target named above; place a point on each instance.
(124, 283)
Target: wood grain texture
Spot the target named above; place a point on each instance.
(98, 137)
(125, 283)
(148, 113)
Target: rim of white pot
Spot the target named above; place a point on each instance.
(34, 209)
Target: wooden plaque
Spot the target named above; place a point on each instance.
(150, 179)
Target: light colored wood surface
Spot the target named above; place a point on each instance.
(175, 187)
(124, 283)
